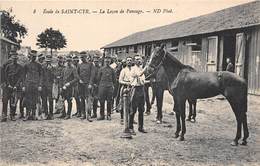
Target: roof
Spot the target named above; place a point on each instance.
(7, 40)
(240, 16)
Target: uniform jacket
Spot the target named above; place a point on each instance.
(33, 73)
(86, 74)
(70, 75)
(106, 76)
(13, 74)
(58, 74)
(48, 75)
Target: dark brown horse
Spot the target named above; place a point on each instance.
(197, 85)
(159, 83)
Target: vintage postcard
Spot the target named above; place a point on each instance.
(135, 82)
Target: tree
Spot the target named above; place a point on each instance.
(52, 39)
(11, 28)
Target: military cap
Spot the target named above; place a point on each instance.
(41, 56)
(83, 54)
(33, 53)
(75, 58)
(68, 58)
(48, 57)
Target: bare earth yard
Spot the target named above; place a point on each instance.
(77, 142)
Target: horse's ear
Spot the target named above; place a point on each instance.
(162, 46)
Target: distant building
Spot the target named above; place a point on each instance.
(206, 41)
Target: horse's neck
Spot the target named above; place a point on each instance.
(171, 68)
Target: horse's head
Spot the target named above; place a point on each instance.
(156, 58)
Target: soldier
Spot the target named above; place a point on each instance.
(58, 77)
(13, 77)
(69, 77)
(86, 76)
(76, 89)
(32, 85)
(96, 68)
(48, 79)
(137, 95)
(124, 80)
(106, 80)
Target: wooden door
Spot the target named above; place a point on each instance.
(240, 54)
(212, 53)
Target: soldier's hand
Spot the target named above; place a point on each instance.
(9, 86)
(23, 89)
(15, 88)
(39, 88)
(64, 88)
(80, 81)
(89, 86)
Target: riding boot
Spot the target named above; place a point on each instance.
(69, 110)
(102, 111)
(4, 112)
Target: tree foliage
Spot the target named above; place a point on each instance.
(11, 28)
(52, 39)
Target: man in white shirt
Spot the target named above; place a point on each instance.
(125, 80)
(137, 95)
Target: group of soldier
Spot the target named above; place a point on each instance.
(93, 80)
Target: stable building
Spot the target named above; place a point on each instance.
(205, 42)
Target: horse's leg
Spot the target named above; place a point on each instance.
(190, 110)
(235, 108)
(194, 113)
(244, 120)
(178, 127)
(183, 116)
(159, 101)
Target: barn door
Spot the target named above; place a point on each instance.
(212, 53)
(240, 54)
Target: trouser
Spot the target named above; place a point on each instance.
(47, 98)
(95, 105)
(105, 94)
(8, 96)
(78, 107)
(67, 94)
(137, 104)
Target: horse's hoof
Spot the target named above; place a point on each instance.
(181, 138)
(234, 143)
(188, 119)
(176, 135)
(244, 143)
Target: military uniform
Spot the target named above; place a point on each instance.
(76, 89)
(48, 79)
(33, 80)
(13, 77)
(96, 68)
(106, 80)
(86, 76)
(69, 77)
(58, 70)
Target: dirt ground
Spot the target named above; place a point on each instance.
(77, 142)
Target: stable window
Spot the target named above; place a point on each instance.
(195, 44)
(127, 50)
(174, 46)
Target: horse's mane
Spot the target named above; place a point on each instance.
(175, 60)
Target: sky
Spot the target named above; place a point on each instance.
(85, 31)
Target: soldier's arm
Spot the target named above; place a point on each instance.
(92, 74)
(99, 75)
(40, 74)
(6, 68)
